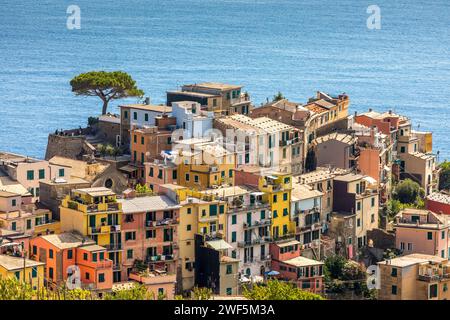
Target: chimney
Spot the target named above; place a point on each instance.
(390, 111)
(356, 113)
(147, 100)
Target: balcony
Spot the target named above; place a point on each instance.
(114, 247)
(104, 229)
(249, 243)
(105, 264)
(93, 208)
(243, 98)
(204, 219)
(160, 258)
(257, 223)
(434, 277)
(161, 223)
(309, 227)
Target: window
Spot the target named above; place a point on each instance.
(274, 198)
(61, 172)
(69, 254)
(275, 213)
(13, 226)
(17, 274)
(196, 178)
(30, 175)
(130, 235)
(94, 257)
(101, 277)
(285, 196)
(402, 149)
(229, 269)
(135, 115)
(372, 202)
(50, 253)
(187, 177)
(221, 209)
(142, 140)
(394, 272)
(188, 227)
(85, 256)
(358, 206)
(87, 275)
(101, 256)
(287, 180)
(50, 273)
(410, 246)
(233, 219)
(263, 214)
(285, 212)
(174, 174)
(150, 234)
(13, 202)
(34, 250)
(130, 254)
(358, 222)
(125, 114)
(150, 173)
(41, 173)
(372, 218)
(230, 173)
(33, 272)
(189, 210)
(229, 291)
(394, 290)
(430, 235)
(442, 253)
(135, 138)
(443, 235)
(233, 236)
(146, 117)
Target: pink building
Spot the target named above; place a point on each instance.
(149, 234)
(306, 273)
(422, 231)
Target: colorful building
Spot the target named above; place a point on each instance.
(96, 213)
(220, 98)
(27, 219)
(150, 237)
(68, 256)
(306, 273)
(27, 270)
(414, 277)
(422, 231)
(277, 192)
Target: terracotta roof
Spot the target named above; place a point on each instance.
(439, 197)
(67, 240)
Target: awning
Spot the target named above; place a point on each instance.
(218, 244)
(257, 193)
(272, 273)
(128, 168)
(272, 177)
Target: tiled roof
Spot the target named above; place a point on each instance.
(439, 197)
(67, 240)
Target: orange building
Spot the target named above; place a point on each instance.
(147, 144)
(158, 173)
(61, 252)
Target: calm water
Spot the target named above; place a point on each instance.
(295, 46)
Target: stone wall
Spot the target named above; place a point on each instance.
(73, 147)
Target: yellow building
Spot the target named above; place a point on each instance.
(200, 213)
(277, 188)
(203, 164)
(95, 212)
(13, 267)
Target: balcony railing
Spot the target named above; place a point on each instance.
(113, 246)
(104, 229)
(249, 243)
(257, 223)
(433, 277)
(160, 258)
(160, 223)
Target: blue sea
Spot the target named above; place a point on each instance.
(293, 46)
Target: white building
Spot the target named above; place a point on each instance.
(192, 119)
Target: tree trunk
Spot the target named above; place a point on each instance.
(105, 107)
